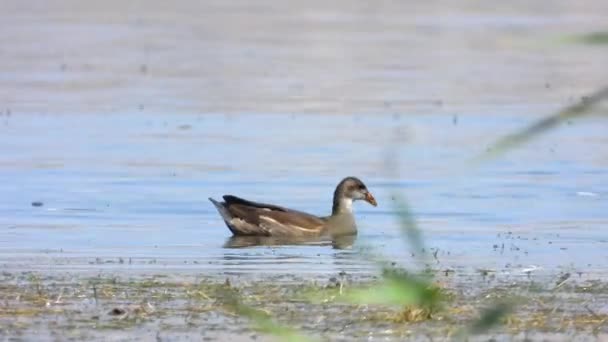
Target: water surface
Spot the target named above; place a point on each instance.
(122, 121)
(130, 191)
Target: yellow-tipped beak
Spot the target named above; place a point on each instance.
(370, 199)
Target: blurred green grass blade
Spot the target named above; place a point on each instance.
(266, 325)
(426, 293)
(261, 320)
(490, 318)
(509, 142)
(387, 293)
(408, 226)
(392, 291)
(594, 38)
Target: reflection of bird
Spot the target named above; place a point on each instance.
(244, 217)
(337, 242)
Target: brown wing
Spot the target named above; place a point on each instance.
(271, 219)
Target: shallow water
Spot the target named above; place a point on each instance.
(123, 130)
(134, 187)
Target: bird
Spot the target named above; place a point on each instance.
(248, 218)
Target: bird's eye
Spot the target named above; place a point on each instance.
(361, 187)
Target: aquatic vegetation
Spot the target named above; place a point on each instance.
(286, 310)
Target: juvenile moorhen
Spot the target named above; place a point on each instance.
(245, 217)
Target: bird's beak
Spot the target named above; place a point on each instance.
(370, 199)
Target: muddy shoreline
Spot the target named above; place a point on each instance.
(171, 307)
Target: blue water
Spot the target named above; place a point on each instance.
(129, 192)
(123, 121)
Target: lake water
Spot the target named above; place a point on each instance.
(123, 123)
(135, 187)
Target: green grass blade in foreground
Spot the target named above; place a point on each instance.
(509, 142)
(489, 318)
(409, 232)
(408, 226)
(261, 320)
(263, 323)
(397, 289)
(594, 38)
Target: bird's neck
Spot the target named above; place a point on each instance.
(342, 205)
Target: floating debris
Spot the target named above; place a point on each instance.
(117, 312)
(530, 269)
